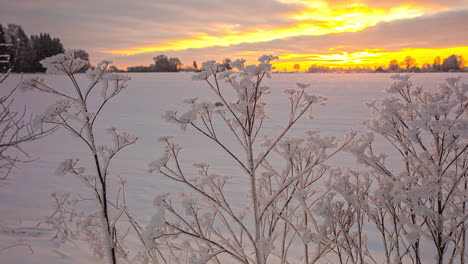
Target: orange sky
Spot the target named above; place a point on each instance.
(318, 18)
(367, 58)
(335, 33)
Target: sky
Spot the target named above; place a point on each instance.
(334, 33)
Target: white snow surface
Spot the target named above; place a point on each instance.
(25, 194)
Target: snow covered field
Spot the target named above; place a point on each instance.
(25, 195)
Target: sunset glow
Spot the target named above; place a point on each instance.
(366, 58)
(317, 18)
(338, 33)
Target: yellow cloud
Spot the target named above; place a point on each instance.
(316, 18)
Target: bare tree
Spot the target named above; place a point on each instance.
(408, 63)
(394, 66)
(297, 67)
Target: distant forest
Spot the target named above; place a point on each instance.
(161, 64)
(452, 63)
(23, 54)
(164, 64)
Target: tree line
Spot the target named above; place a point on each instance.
(449, 64)
(21, 53)
(162, 63)
(452, 63)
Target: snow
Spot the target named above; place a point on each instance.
(26, 194)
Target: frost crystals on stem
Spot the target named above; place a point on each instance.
(76, 112)
(203, 225)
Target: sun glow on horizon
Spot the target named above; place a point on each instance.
(366, 58)
(311, 18)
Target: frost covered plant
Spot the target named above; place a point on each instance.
(346, 209)
(77, 111)
(425, 197)
(203, 225)
(16, 129)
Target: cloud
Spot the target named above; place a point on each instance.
(436, 31)
(120, 23)
(97, 26)
(447, 29)
(434, 3)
